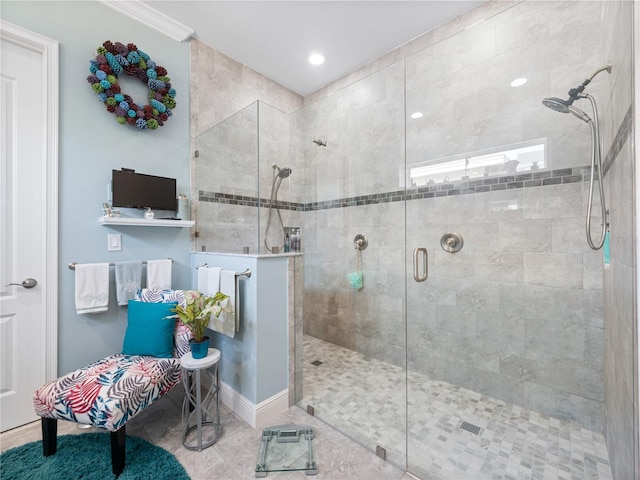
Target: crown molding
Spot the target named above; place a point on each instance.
(143, 13)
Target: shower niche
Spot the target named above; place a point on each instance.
(247, 183)
(518, 158)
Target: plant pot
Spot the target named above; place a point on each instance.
(199, 349)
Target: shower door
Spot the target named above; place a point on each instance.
(354, 331)
(504, 338)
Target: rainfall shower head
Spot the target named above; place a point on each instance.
(282, 172)
(557, 104)
(564, 106)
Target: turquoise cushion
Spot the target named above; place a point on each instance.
(149, 332)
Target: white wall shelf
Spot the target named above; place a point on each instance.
(143, 222)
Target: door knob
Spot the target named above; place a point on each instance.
(26, 283)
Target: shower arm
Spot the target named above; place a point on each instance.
(601, 69)
(576, 93)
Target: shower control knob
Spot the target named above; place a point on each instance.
(451, 242)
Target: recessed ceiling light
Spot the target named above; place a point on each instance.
(416, 115)
(518, 82)
(316, 59)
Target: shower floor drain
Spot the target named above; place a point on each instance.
(470, 427)
(316, 363)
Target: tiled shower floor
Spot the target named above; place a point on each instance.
(366, 400)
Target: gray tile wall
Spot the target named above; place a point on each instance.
(234, 172)
(226, 163)
(620, 333)
(220, 87)
(225, 101)
(518, 312)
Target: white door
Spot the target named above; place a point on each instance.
(28, 217)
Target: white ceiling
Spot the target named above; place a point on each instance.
(275, 38)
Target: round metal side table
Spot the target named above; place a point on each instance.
(200, 416)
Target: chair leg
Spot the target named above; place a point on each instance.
(118, 440)
(49, 435)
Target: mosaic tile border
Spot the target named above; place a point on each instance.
(230, 199)
(624, 132)
(507, 182)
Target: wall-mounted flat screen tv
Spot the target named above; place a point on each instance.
(138, 190)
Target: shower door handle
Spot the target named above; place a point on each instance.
(416, 264)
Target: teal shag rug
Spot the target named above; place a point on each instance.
(87, 456)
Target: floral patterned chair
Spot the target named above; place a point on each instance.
(110, 392)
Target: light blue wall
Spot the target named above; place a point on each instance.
(273, 323)
(255, 362)
(92, 143)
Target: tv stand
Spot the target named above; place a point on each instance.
(144, 222)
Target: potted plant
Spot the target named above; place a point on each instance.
(196, 315)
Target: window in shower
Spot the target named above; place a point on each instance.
(505, 160)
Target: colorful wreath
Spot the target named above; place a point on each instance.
(114, 58)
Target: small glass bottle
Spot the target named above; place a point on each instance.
(287, 245)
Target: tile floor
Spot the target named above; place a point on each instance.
(366, 399)
(234, 456)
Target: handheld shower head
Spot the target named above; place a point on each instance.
(579, 113)
(566, 106)
(282, 172)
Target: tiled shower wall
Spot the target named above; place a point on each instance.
(233, 200)
(225, 166)
(517, 314)
(621, 400)
(238, 118)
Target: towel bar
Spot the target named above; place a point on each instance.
(72, 265)
(246, 273)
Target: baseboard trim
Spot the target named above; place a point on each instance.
(258, 416)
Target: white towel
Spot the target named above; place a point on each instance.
(203, 278)
(92, 287)
(209, 280)
(128, 281)
(159, 274)
(226, 322)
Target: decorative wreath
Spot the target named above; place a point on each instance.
(114, 58)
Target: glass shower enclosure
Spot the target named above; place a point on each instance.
(235, 165)
(480, 312)
(479, 315)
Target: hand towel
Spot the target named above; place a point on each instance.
(203, 277)
(128, 281)
(159, 274)
(92, 287)
(226, 322)
(209, 280)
